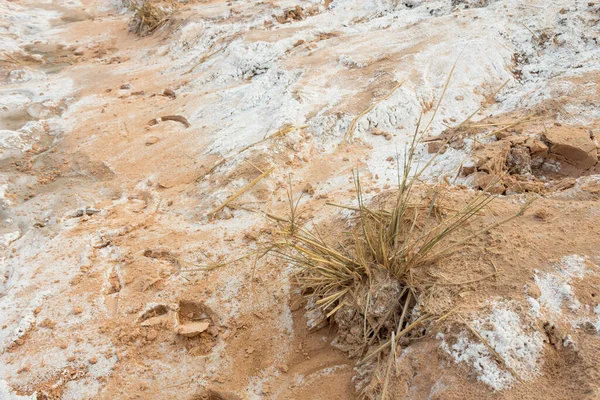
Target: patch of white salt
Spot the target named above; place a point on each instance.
(504, 330)
(555, 287)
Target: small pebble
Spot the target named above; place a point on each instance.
(151, 140)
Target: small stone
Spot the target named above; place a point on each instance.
(434, 146)
(192, 329)
(502, 134)
(487, 182)
(589, 328)
(308, 189)
(534, 291)
(250, 350)
(24, 369)
(93, 360)
(151, 140)
(125, 86)
(151, 335)
(77, 310)
(541, 214)
(379, 132)
(160, 320)
(460, 98)
(468, 167)
(169, 93)
(47, 323)
(536, 147)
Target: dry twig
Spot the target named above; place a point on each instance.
(242, 191)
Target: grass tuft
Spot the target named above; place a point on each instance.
(369, 277)
(147, 17)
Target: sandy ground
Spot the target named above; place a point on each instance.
(108, 240)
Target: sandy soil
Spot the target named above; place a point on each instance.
(111, 252)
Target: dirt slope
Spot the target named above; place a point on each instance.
(117, 279)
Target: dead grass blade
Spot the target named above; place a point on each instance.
(280, 133)
(491, 349)
(242, 191)
(441, 96)
(422, 319)
(214, 264)
(526, 119)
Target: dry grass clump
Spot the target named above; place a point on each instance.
(369, 280)
(147, 17)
